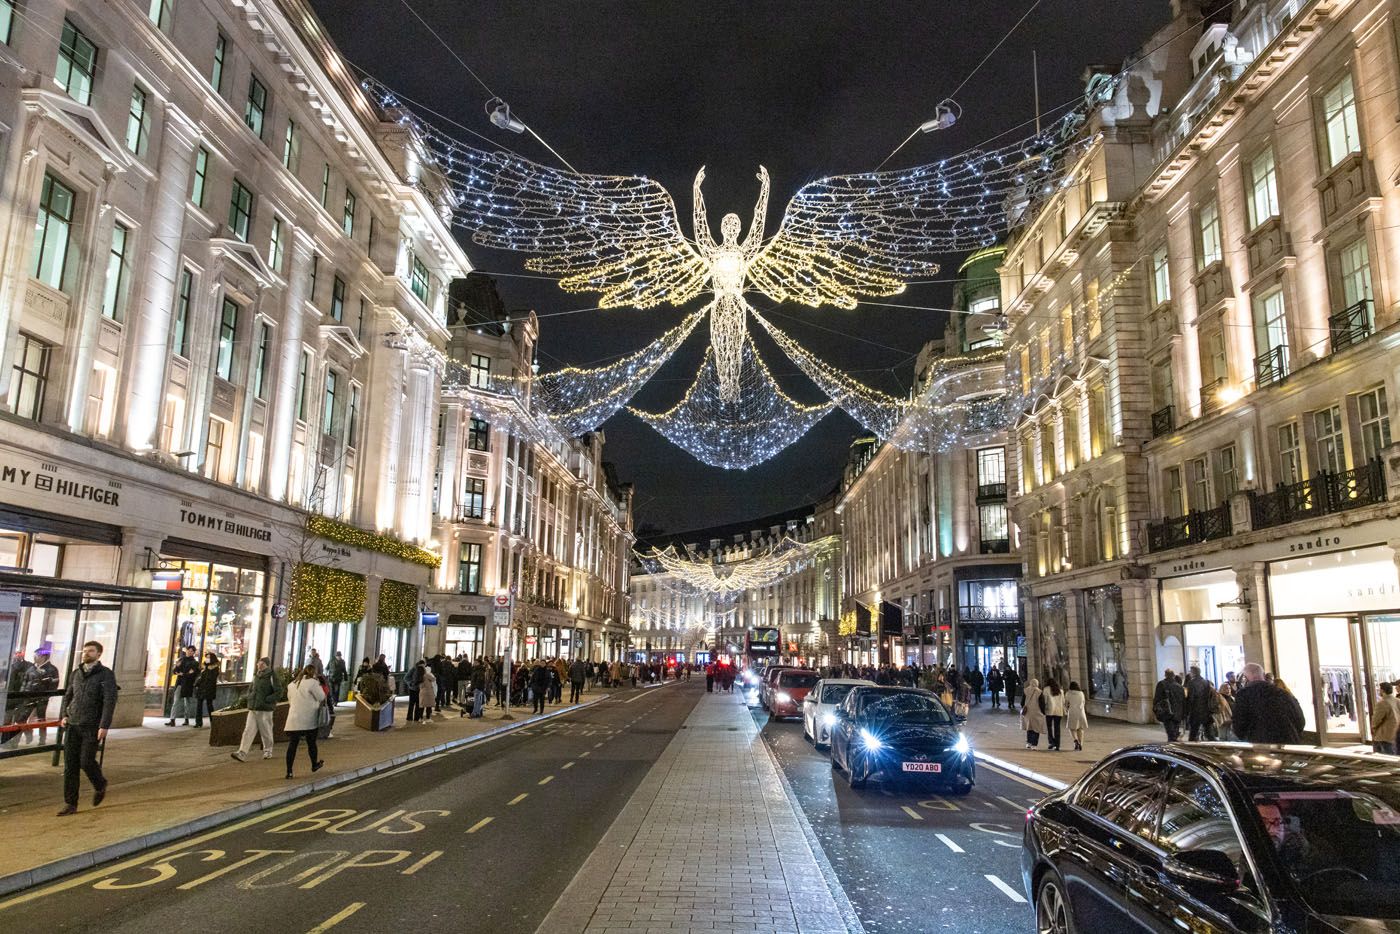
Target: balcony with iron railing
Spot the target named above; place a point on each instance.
(1320, 495)
(472, 512)
(1210, 395)
(1193, 528)
(1164, 421)
(991, 492)
(1351, 325)
(996, 546)
(1271, 366)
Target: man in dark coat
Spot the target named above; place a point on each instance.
(1264, 712)
(995, 683)
(1013, 686)
(1169, 704)
(539, 685)
(336, 673)
(974, 680)
(578, 674)
(186, 672)
(1200, 706)
(86, 715)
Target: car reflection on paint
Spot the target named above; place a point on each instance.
(900, 734)
(1219, 837)
(819, 707)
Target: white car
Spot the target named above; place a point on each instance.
(819, 707)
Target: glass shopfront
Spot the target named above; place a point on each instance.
(1053, 633)
(1212, 634)
(989, 621)
(464, 636)
(220, 610)
(1107, 644)
(1336, 627)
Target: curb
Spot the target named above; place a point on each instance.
(1053, 784)
(57, 869)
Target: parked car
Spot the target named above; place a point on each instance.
(1219, 837)
(766, 685)
(789, 691)
(819, 707)
(900, 733)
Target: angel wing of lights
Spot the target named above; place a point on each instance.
(730, 579)
(736, 435)
(579, 400)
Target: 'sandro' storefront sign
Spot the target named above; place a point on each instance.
(200, 520)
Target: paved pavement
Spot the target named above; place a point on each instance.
(165, 782)
(483, 838)
(710, 842)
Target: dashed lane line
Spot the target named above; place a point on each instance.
(517, 799)
(912, 813)
(597, 745)
(566, 765)
(943, 838)
(1006, 890)
(336, 918)
(585, 753)
(479, 824)
(546, 780)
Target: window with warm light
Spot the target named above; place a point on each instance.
(1340, 125)
(1290, 454)
(1263, 188)
(1328, 431)
(1208, 230)
(1161, 276)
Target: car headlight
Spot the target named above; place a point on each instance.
(869, 740)
(962, 746)
(783, 697)
(828, 719)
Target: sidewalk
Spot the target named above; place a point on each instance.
(165, 783)
(710, 841)
(996, 736)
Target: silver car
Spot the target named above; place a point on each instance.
(819, 707)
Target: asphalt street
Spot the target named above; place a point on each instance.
(480, 839)
(911, 859)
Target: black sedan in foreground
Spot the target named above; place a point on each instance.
(1219, 837)
(900, 733)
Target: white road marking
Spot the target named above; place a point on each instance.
(336, 918)
(949, 843)
(1016, 806)
(1006, 890)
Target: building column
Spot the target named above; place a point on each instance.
(87, 304)
(289, 343)
(413, 506)
(148, 345)
(127, 658)
(370, 637)
(1258, 640)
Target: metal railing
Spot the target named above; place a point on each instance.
(1351, 325)
(1164, 421)
(1210, 395)
(474, 513)
(1196, 526)
(995, 491)
(1271, 366)
(996, 546)
(1319, 495)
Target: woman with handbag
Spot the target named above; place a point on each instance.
(1076, 719)
(1032, 716)
(1052, 702)
(307, 699)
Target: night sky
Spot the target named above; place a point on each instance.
(660, 88)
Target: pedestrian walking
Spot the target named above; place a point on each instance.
(1013, 687)
(578, 674)
(262, 703)
(1169, 704)
(1224, 712)
(1076, 720)
(973, 677)
(1385, 720)
(995, 683)
(1054, 706)
(86, 715)
(1200, 707)
(710, 678)
(185, 672)
(1032, 713)
(411, 681)
(1265, 712)
(427, 694)
(307, 701)
(336, 673)
(206, 688)
(539, 687)
(314, 660)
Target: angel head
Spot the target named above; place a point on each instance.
(730, 227)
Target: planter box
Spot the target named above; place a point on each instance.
(367, 718)
(226, 726)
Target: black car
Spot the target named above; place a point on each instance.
(1219, 837)
(900, 733)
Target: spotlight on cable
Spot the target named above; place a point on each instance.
(500, 116)
(944, 116)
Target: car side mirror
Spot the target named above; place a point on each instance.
(1210, 868)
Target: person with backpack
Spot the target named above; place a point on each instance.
(1169, 704)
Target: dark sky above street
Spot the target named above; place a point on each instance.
(660, 88)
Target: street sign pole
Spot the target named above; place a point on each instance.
(501, 614)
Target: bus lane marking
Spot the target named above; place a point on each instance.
(546, 780)
(518, 798)
(336, 918)
(1006, 890)
(998, 831)
(479, 824)
(913, 813)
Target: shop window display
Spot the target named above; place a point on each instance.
(1054, 640)
(1103, 625)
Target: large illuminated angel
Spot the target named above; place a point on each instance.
(842, 239)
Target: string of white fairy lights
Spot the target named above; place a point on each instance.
(740, 434)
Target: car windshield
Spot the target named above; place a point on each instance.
(913, 708)
(1341, 846)
(835, 693)
(798, 679)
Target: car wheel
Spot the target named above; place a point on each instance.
(835, 766)
(806, 735)
(961, 790)
(1052, 914)
(851, 776)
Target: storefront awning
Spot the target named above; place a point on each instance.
(48, 591)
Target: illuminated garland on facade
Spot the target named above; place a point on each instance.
(326, 527)
(736, 435)
(398, 605)
(323, 594)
